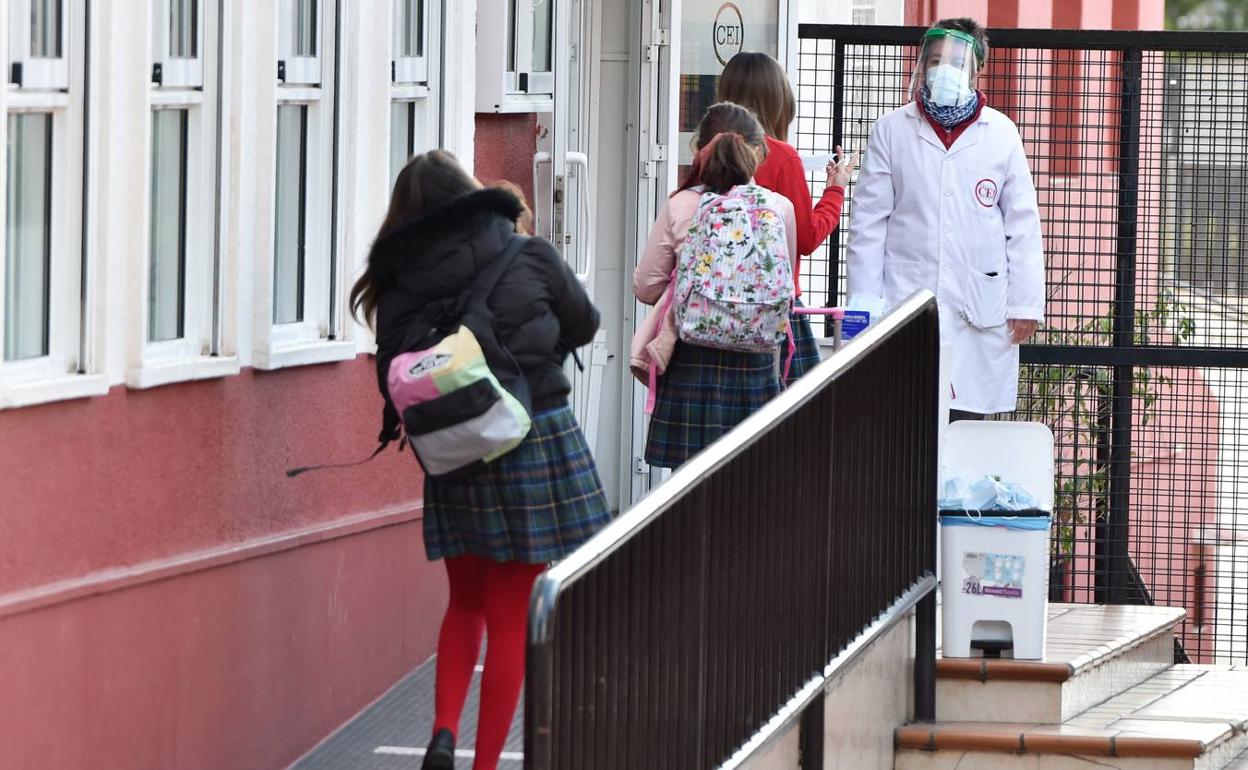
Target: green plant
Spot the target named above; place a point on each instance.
(1075, 401)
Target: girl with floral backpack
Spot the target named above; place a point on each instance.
(718, 267)
(758, 82)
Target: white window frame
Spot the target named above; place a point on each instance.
(65, 306)
(410, 70)
(317, 216)
(321, 336)
(504, 85)
(411, 106)
(176, 72)
(39, 73)
(199, 233)
(193, 355)
(301, 70)
(539, 81)
(62, 373)
(410, 89)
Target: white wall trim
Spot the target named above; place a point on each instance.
(32, 392)
(152, 375)
(320, 352)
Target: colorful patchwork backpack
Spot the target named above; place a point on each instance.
(459, 394)
(456, 414)
(734, 280)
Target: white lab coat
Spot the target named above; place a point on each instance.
(963, 223)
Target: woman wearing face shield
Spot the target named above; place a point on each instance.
(945, 201)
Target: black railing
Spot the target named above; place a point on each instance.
(1138, 144)
(700, 622)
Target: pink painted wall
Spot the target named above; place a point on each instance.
(154, 611)
(1020, 13)
(100, 483)
(1096, 14)
(504, 149)
(924, 12)
(242, 667)
(1139, 14)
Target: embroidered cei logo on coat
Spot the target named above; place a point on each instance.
(986, 193)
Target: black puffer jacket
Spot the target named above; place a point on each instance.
(541, 312)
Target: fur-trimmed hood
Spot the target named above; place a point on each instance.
(456, 223)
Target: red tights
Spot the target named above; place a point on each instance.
(484, 595)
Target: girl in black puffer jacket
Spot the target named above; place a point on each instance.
(496, 527)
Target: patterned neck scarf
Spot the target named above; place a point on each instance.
(949, 117)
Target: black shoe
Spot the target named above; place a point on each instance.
(441, 752)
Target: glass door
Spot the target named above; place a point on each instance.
(711, 33)
(563, 171)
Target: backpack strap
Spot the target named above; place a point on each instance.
(791, 350)
(473, 310)
(292, 472)
(652, 396)
(479, 291)
(485, 281)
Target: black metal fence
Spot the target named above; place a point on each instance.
(1138, 142)
(712, 613)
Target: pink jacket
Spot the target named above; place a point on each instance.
(655, 339)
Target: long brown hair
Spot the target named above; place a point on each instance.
(426, 182)
(757, 82)
(727, 148)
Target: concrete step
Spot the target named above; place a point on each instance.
(1185, 718)
(1092, 653)
(1239, 763)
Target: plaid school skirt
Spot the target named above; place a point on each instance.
(534, 504)
(704, 394)
(806, 357)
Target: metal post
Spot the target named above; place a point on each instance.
(925, 613)
(925, 660)
(539, 696)
(1104, 441)
(812, 734)
(838, 134)
(1117, 528)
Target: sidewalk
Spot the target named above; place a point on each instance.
(391, 734)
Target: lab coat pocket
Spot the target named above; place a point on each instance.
(985, 303)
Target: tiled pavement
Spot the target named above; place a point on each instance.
(392, 733)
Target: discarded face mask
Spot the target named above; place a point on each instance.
(987, 493)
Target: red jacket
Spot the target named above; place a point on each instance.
(782, 172)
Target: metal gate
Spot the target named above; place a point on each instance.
(1138, 142)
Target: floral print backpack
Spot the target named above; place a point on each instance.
(734, 279)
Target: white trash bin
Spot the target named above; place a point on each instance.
(995, 564)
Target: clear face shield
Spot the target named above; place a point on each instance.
(946, 69)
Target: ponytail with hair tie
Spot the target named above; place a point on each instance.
(730, 141)
(709, 147)
(726, 161)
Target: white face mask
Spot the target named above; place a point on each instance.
(949, 86)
